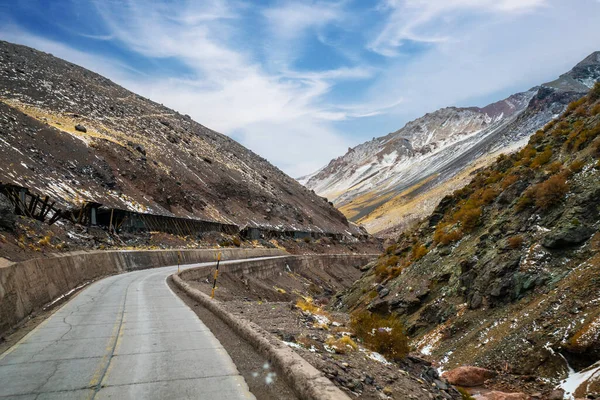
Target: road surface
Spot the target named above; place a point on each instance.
(123, 337)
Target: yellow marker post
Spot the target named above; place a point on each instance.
(178, 260)
(212, 294)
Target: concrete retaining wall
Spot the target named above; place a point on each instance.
(267, 268)
(29, 285)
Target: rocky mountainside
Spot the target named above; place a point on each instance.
(505, 274)
(76, 136)
(399, 178)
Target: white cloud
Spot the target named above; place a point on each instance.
(431, 21)
(278, 114)
(492, 55)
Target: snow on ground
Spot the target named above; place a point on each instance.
(576, 379)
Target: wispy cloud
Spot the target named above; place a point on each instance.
(299, 82)
(432, 21)
(227, 88)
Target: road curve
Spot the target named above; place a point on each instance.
(123, 337)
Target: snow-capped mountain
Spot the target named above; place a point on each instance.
(429, 151)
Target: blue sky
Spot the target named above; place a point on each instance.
(299, 82)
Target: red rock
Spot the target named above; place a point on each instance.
(495, 395)
(468, 376)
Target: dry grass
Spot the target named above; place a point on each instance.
(342, 345)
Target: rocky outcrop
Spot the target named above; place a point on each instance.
(504, 274)
(468, 376)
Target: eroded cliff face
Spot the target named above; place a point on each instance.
(76, 136)
(397, 179)
(505, 273)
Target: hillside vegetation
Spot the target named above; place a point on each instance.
(505, 273)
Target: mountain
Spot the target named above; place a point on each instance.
(395, 180)
(76, 136)
(505, 273)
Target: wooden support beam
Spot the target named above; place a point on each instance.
(43, 208)
(55, 217)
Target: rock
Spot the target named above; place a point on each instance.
(495, 395)
(387, 391)
(80, 128)
(557, 394)
(8, 219)
(369, 380)
(441, 385)
(468, 376)
(567, 237)
(384, 292)
(138, 147)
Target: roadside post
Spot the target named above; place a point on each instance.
(178, 261)
(212, 294)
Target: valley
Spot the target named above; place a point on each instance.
(459, 257)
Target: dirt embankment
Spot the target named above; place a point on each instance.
(267, 293)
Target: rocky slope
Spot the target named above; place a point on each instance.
(76, 136)
(505, 273)
(399, 178)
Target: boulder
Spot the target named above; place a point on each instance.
(138, 147)
(468, 376)
(567, 237)
(8, 219)
(80, 128)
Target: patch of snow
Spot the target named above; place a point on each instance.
(576, 379)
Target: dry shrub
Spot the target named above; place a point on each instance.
(418, 251)
(307, 304)
(555, 167)
(445, 236)
(542, 158)
(596, 109)
(342, 345)
(468, 217)
(595, 92)
(551, 191)
(237, 242)
(509, 180)
(575, 104)
(384, 335)
(515, 242)
(384, 264)
(576, 166)
(488, 195)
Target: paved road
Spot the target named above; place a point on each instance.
(126, 336)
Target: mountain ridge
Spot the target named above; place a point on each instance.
(429, 151)
(72, 134)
